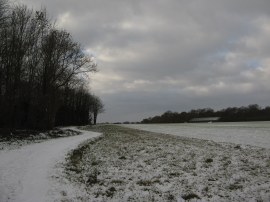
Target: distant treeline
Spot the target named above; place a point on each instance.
(250, 113)
(43, 73)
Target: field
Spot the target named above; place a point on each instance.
(246, 133)
(133, 165)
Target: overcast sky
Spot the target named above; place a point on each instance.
(159, 55)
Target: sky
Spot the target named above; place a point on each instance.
(160, 55)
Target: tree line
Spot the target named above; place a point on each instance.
(43, 73)
(232, 114)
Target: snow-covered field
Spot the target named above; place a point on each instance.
(248, 133)
(127, 164)
(132, 165)
(29, 173)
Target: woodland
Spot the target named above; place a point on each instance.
(251, 112)
(44, 73)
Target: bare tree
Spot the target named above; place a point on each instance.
(3, 11)
(43, 71)
(15, 43)
(3, 20)
(97, 107)
(63, 59)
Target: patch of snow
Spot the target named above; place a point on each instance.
(132, 165)
(28, 173)
(247, 133)
(21, 139)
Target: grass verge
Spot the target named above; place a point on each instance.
(132, 165)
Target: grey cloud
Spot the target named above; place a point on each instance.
(161, 55)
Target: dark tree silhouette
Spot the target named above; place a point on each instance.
(250, 113)
(97, 107)
(43, 73)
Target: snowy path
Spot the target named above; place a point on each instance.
(25, 173)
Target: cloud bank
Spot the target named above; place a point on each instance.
(177, 55)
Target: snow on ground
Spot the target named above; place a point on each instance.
(248, 133)
(132, 165)
(27, 174)
(15, 141)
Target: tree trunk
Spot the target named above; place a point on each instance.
(95, 117)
